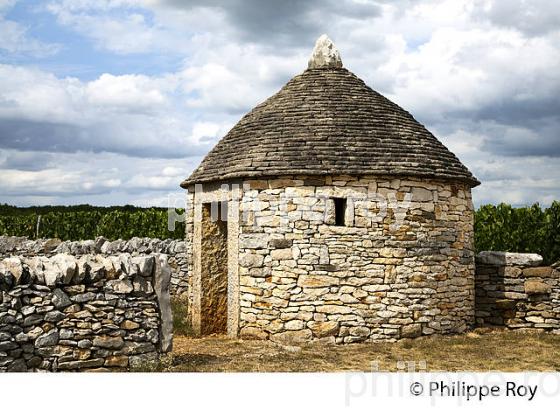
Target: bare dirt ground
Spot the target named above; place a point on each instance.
(475, 351)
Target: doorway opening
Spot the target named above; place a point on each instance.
(214, 269)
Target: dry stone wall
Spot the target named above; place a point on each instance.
(302, 277)
(176, 250)
(92, 312)
(515, 291)
(402, 266)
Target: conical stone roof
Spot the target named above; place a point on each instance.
(326, 121)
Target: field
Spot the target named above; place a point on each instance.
(482, 350)
(88, 222)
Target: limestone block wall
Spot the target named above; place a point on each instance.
(515, 291)
(67, 313)
(376, 278)
(176, 251)
(402, 266)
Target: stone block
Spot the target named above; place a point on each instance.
(505, 304)
(54, 316)
(251, 260)
(48, 339)
(81, 364)
(8, 345)
(61, 269)
(129, 325)
(292, 337)
(294, 325)
(508, 258)
(143, 265)
(108, 342)
(116, 361)
(334, 309)
(119, 286)
(14, 267)
(136, 348)
(514, 295)
(324, 329)
(280, 243)
(422, 195)
(360, 332)
(538, 272)
(281, 254)
(535, 286)
(254, 241)
(317, 281)
(253, 333)
(258, 184)
(411, 331)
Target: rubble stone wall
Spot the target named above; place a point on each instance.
(402, 266)
(303, 277)
(515, 291)
(175, 249)
(92, 312)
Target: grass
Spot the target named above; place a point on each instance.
(496, 350)
(179, 308)
(480, 350)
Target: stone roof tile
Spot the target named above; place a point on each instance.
(327, 121)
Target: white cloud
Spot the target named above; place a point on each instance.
(125, 91)
(103, 178)
(131, 26)
(483, 76)
(6, 5)
(134, 114)
(54, 181)
(468, 70)
(128, 35)
(14, 38)
(33, 94)
(533, 17)
(174, 172)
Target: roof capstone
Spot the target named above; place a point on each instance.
(325, 54)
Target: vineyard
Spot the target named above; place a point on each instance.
(528, 229)
(499, 228)
(87, 222)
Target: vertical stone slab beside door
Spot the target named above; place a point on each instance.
(233, 266)
(162, 280)
(196, 279)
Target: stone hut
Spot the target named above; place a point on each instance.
(328, 211)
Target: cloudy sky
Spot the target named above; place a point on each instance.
(114, 102)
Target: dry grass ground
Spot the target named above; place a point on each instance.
(493, 351)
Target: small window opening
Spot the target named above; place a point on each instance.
(218, 211)
(339, 211)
